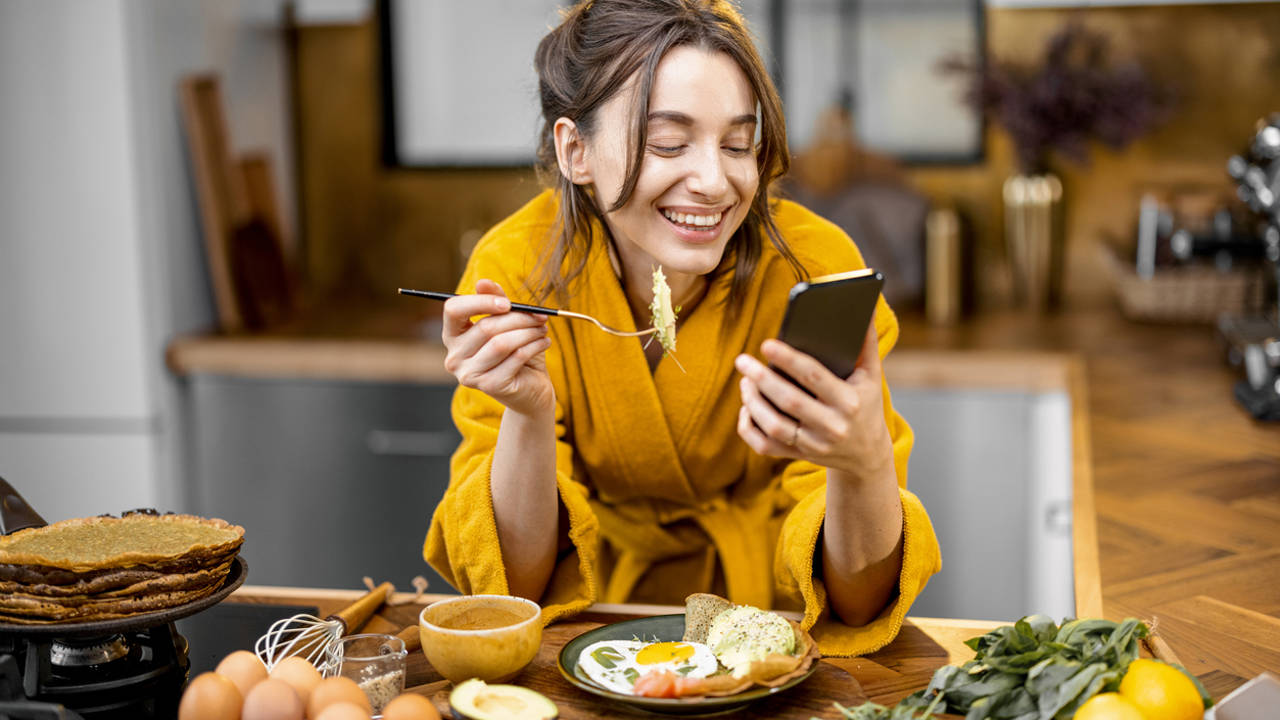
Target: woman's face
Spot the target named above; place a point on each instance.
(699, 172)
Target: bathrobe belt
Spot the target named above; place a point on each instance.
(742, 535)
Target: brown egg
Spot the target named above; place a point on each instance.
(336, 690)
(301, 675)
(244, 669)
(410, 707)
(210, 696)
(272, 700)
(343, 711)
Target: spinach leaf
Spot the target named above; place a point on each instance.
(1033, 669)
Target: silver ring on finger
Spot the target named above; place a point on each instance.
(795, 436)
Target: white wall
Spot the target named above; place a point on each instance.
(101, 258)
(243, 43)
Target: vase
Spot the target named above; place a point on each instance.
(1033, 232)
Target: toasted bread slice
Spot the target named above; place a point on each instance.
(89, 544)
(699, 610)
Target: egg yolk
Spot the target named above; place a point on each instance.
(663, 652)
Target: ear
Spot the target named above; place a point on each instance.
(571, 152)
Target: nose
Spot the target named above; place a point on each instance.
(706, 175)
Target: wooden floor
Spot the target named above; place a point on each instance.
(1187, 485)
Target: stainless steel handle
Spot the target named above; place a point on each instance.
(414, 443)
(1057, 517)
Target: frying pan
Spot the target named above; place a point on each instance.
(16, 514)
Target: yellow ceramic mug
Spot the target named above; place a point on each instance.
(491, 637)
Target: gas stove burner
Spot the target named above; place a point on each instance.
(86, 652)
(133, 675)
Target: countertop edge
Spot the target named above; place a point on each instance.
(389, 360)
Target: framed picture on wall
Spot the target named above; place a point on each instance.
(458, 84)
(459, 88)
(879, 60)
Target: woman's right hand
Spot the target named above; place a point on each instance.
(500, 354)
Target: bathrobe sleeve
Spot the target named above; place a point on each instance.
(806, 484)
(462, 542)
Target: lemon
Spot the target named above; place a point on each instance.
(1161, 691)
(1109, 706)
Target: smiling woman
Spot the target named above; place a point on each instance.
(591, 467)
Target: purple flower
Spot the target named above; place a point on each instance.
(1073, 96)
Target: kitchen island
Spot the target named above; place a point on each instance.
(1185, 485)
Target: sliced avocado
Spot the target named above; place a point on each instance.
(476, 700)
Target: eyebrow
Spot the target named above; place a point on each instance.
(680, 118)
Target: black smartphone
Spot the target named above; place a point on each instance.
(827, 317)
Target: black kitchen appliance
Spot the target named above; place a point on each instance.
(134, 667)
(1253, 342)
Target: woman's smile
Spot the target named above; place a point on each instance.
(695, 225)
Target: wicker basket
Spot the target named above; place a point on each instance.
(1191, 294)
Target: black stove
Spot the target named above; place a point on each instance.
(136, 674)
(132, 668)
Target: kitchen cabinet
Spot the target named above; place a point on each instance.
(332, 480)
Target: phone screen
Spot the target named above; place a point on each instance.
(827, 317)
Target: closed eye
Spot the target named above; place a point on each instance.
(666, 149)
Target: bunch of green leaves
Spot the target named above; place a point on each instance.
(872, 711)
(1031, 670)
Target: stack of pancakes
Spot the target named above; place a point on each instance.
(106, 568)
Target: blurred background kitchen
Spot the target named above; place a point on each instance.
(206, 209)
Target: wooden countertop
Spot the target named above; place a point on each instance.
(887, 676)
(1186, 484)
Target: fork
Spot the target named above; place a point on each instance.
(537, 310)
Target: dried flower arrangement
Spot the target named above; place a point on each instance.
(1074, 95)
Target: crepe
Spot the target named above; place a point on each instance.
(772, 671)
(44, 575)
(106, 579)
(136, 540)
(105, 568)
(28, 611)
(122, 583)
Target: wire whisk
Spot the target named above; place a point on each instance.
(316, 639)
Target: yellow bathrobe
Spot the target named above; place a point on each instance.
(660, 496)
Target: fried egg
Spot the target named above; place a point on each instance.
(617, 664)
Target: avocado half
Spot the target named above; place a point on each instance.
(476, 700)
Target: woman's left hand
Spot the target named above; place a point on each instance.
(840, 426)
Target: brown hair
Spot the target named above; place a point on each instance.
(587, 59)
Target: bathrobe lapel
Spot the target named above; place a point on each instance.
(652, 427)
(617, 375)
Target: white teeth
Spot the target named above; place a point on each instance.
(691, 219)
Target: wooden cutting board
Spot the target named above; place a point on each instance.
(814, 697)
